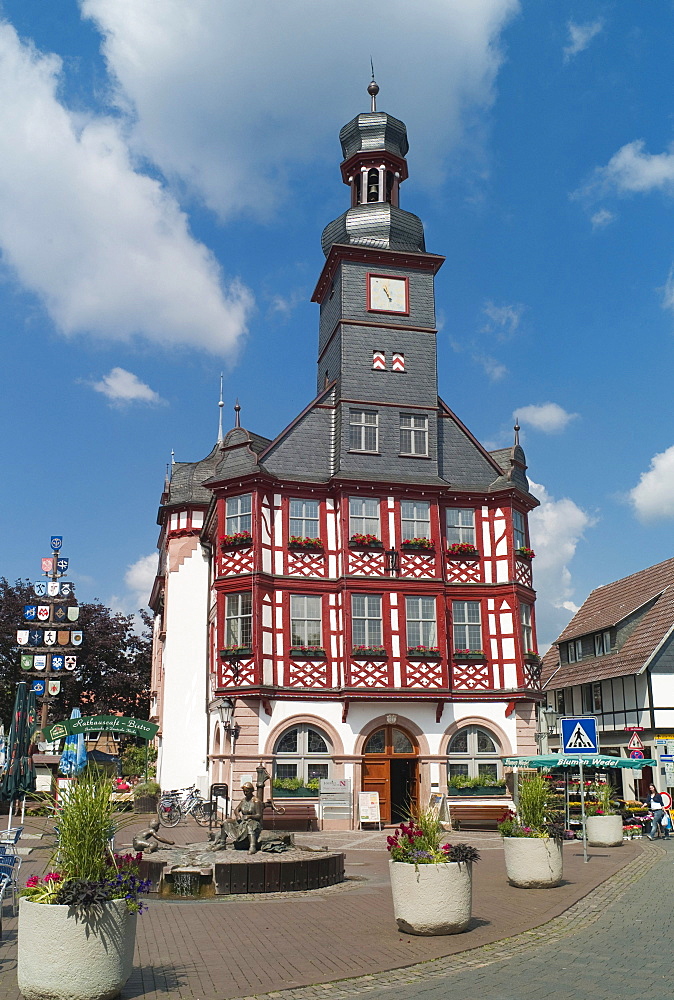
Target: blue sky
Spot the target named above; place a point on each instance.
(166, 170)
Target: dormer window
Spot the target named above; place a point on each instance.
(602, 643)
(574, 650)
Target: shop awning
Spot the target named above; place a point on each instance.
(602, 761)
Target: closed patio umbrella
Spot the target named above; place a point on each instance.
(19, 776)
(74, 755)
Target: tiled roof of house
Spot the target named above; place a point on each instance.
(606, 607)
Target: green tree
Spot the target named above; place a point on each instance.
(113, 662)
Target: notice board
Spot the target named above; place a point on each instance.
(368, 808)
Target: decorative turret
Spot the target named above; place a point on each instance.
(374, 146)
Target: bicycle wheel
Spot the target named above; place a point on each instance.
(169, 813)
(202, 813)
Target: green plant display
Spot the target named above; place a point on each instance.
(133, 761)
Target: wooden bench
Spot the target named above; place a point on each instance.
(297, 816)
(466, 816)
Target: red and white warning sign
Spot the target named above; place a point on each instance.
(635, 743)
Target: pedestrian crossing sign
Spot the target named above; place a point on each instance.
(579, 736)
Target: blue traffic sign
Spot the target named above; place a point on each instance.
(579, 735)
(637, 754)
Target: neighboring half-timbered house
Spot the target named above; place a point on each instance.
(354, 598)
(615, 660)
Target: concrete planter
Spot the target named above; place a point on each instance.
(604, 831)
(533, 862)
(71, 953)
(432, 899)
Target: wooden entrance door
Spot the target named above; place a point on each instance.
(390, 767)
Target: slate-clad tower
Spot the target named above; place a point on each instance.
(361, 601)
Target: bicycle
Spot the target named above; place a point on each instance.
(181, 802)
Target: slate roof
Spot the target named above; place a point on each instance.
(187, 479)
(651, 589)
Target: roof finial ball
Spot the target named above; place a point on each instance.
(237, 410)
(373, 90)
(517, 431)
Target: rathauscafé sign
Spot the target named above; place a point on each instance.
(96, 723)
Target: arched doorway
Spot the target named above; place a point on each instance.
(391, 768)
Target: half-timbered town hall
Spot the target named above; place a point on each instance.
(352, 599)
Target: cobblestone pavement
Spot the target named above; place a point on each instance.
(279, 946)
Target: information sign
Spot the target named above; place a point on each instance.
(106, 723)
(368, 808)
(333, 785)
(579, 735)
(664, 737)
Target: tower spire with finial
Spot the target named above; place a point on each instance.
(220, 406)
(373, 89)
(237, 410)
(517, 432)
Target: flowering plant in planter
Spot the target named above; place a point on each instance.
(307, 651)
(418, 843)
(535, 817)
(234, 650)
(240, 538)
(365, 541)
(423, 651)
(477, 654)
(303, 542)
(524, 552)
(417, 543)
(360, 651)
(462, 549)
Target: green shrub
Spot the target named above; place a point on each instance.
(146, 788)
(133, 761)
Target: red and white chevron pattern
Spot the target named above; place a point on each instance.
(307, 674)
(424, 674)
(306, 564)
(234, 561)
(367, 563)
(417, 566)
(369, 674)
(398, 363)
(379, 360)
(523, 572)
(464, 572)
(472, 677)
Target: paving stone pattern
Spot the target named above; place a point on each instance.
(279, 946)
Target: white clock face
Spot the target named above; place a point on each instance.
(388, 294)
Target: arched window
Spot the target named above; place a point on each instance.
(389, 740)
(474, 752)
(302, 752)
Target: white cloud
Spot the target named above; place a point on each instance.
(548, 417)
(556, 528)
(580, 36)
(503, 320)
(493, 368)
(602, 218)
(633, 171)
(653, 496)
(138, 580)
(121, 387)
(229, 97)
(106, 248)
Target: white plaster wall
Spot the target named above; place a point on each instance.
(184, 723)
(360, 715)
(663, 689)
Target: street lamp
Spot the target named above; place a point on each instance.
(225, 709)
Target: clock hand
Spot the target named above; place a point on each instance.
(386, 292)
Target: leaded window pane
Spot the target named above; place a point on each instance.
(288, 742)
(485, 744)
(458, 769)
(487, 770)
(286, 770)
(402, 742)
(315, 770)
(459, 743)
(315, 742)
(376, 742)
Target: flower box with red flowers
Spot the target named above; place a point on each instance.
(524, 553)
(359, 541)
(423, 653)
(418, 543)
(469, 654)
(240, 540)
(300, 544)
(235, 652)
(532, 657)
(369, 653)
(308, 652)
(462, 550)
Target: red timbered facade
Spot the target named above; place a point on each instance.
(354, 598)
